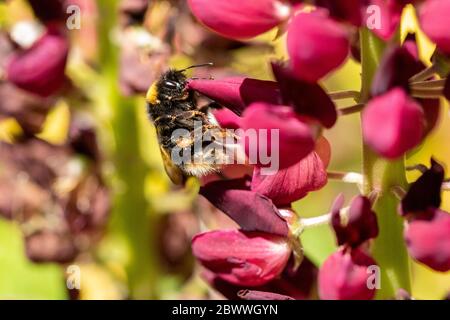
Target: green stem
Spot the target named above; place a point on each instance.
(130, 224)
(381, 175)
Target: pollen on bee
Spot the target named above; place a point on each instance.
(152, 94)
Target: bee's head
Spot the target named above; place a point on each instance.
(171, 86)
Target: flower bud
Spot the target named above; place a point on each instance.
(316, 45)
(361, 225)
(393, 123)
(242, 258)
(435, 23)
(428, 240)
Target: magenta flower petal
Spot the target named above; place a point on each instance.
(399, 118)
(227, 119)
(361, 225)
(236, 93)
(316, 45)
(296, 138)
(435, 23)
(40, 69)
(238, 19)
(242, 258)
(293, 183)
(307, 99)
(344, 276)
(428, 241)
(250, 210)
(391, 12)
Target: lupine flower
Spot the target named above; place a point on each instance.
(316, 45)
(240, 19)
(361, 225)
(399, 118)
(435, 23)
(237, 93)
(40, 69)
(427, 233)
(251, 210)
(45, 246)
(296, 136)
(294, 183)
(344, 276)
(240, 257)
(295, 283)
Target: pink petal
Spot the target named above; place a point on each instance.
(296, 137)
(250, 210)
(40, 69)
(238, 19)
(293, 183)
(428, 241)
(316, 45)
(391, 12)
(435, 23)
(393, 123)
(242, 258)
(236, 93)
(344, 276)
(347, 10)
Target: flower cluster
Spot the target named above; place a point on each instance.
(399, 108)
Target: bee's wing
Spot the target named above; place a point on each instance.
(174, 172)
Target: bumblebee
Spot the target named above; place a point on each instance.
(173, 109)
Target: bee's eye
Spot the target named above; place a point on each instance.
(171, 84)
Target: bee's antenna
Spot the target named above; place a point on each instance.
(209, 64)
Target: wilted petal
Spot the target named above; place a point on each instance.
(316, 45)
(435, 23)
(236, 93)
(397, 66)
(344, 276)
(242, 258)
(425, 192)
(428, 241)
(261, 295)
(238, 19)
(307, 99)
(393, 123)
(278, 133)
(293, 183)
(40, 69)
(252, 211)
(360, 226)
